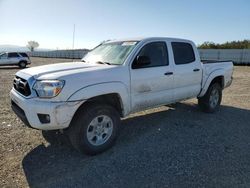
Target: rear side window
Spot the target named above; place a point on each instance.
(13, 55)
(156, 52)
(24, 54)
(183, 53)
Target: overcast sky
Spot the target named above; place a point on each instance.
(50, 22)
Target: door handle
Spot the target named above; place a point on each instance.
(168, 73)
(195, 70)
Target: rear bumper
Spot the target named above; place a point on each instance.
(229, 82)
(60, 113)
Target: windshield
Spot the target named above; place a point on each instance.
(113, 53)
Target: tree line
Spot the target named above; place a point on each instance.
(241, 44)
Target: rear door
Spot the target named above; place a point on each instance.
(13, 58)
(151, 84)
(187, 71)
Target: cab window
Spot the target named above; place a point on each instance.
(183, 53)
(151, 55)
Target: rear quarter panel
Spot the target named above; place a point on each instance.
(213, 70)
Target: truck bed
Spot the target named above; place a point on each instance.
(225, 68)
(214, 61)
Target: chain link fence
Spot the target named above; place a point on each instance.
(71, 54)
(238, 56)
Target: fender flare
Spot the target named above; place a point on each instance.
(22, 60)
(99, 89)
(207, 82)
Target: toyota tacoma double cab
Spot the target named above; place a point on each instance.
(20, 59)
(86, 99)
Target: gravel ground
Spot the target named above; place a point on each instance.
(174, 146)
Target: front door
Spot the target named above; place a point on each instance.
(151, 80)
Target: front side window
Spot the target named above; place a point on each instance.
(155, 54)
(183, 53)
(113, 53)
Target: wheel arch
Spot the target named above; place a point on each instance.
(22, 60)
(218, 79)
(215, 77)
(112, 99)
(115, 94)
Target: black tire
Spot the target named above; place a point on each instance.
(81, 124)
(204, 102)
(22, 64)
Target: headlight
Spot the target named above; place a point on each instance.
(48, 88)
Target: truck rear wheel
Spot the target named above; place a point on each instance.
(210, 102)
(94, 128)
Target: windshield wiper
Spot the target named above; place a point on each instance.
(101, 62)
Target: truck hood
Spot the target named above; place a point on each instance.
(77, 75)
(61, 69)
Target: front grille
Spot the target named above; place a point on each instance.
(22, 86)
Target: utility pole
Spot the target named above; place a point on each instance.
(73, 44)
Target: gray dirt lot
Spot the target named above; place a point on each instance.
(176, 146)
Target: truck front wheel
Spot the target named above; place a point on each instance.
(94, 128)
(212, 99)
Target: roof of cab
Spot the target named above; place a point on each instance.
(148, 39)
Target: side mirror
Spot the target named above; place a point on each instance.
(142, 61)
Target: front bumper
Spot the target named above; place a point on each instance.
(61, 113)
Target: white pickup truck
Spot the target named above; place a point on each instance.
(87, 99)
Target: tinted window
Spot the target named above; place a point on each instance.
(13, 55)
(157, 54)
(24, 54)
(183, 53)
